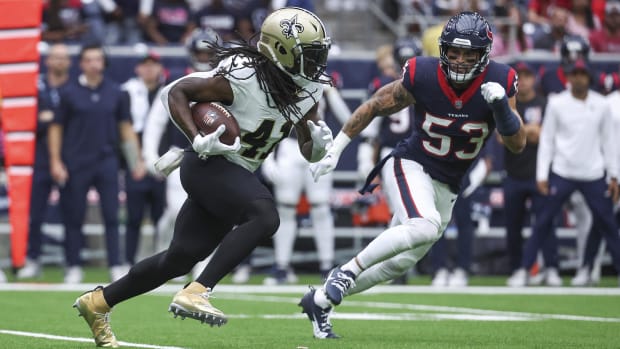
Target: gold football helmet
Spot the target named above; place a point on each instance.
(295, 40)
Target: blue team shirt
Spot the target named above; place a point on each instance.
(450, 128)
(90, 119)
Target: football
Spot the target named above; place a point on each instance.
(209, 116)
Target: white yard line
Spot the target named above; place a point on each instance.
(467, 313)
(79, 339)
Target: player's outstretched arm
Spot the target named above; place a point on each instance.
(386, 101)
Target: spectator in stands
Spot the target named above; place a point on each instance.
(63, 20)
(607, 39)
(443, 8)
(228, 22)
(83, 138)
(124, 19)
(541, 11)
(465, 226)
(582, 21)
(149, 191)
(290, 174)
(57, 64)
(577, 152)
(519, 183)
(550, 38)
(170, 22)
(503, 41)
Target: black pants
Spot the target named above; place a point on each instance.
(221, 195)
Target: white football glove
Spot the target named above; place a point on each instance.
(322, 137)
(211, 145)
(325, 166)
(168, 162)
(492, 91)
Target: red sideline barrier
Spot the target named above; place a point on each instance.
(20, 186)
(20, 21)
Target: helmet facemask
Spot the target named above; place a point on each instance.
(463, 72)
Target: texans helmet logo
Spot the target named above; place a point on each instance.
(291, 27)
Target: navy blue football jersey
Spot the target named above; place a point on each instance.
(395, 127)
(450, 128)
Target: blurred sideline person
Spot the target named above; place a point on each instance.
(289, 172)
(553, 81)
(92, 122)
(57, 63)
(577, 152)
(519, 184)
(159, 131)
(586, 273)
(149, 191)
(269, 88)
(460, 99)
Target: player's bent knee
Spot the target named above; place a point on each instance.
(264, 215)
(422, 231)
(401, 263)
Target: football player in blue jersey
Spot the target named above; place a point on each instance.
(459, 100)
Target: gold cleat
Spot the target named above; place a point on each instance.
(93, 307)
(193, 302)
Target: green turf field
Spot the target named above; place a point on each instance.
(402, 317)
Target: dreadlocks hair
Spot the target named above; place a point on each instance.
(273, 81)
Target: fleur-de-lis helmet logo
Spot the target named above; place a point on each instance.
(290, 27)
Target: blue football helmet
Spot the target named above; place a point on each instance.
(574, 47)
(200, 51)
(406, 48)
(467, 30)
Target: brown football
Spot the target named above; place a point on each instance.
(209, 116)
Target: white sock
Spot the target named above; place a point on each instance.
(320, 299)
(353, 266)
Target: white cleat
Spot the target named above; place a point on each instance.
(458, 278)
(518, 278)
(441, 278)
(30, 270)
(73, 275)
(552, 278)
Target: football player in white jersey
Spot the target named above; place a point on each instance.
(269, 88)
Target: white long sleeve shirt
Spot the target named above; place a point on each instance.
(577, 138)
(613, 99)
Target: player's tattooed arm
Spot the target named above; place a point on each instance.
(386, 101)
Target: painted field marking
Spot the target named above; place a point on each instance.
(79, 339)
(436, 310)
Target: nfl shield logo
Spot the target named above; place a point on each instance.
(458, 104)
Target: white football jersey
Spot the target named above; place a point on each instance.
(262, 125)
